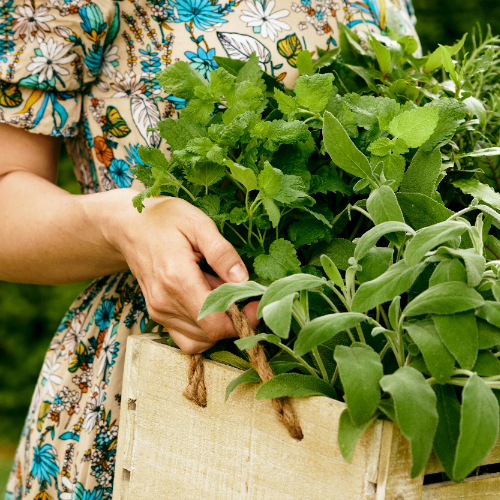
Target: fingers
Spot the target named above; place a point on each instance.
(189, 345)
(250, 311)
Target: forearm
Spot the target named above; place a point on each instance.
(49, 236)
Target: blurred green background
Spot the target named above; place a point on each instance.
(30, 314)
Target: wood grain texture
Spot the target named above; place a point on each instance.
(234, 450)
(485, 487)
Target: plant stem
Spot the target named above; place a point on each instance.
(237, 234)
(335, 375)
(339, 295)
(383, 352)
(330, 303)
(302, 361)
(360, 334)
(187, 191)
(319, 361)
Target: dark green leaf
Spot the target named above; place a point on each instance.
(421, 211)
(489, 335)
(375, 263)
(281, 261)
(448, 270)
(295, 385)
(487, 364)
(339, 250)
(349, 434)
(490, 312)
(423, 172)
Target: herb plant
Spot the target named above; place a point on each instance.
(364, 202)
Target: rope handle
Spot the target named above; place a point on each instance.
(196, 390)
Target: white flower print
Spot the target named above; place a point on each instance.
(110, 55)
(127, 85)
(269, 24)
(49, 376)
(94, 407)
(30, 23)
(302, 26)
(74, 335)
(69, 486)
(108, 349)
(51, 61)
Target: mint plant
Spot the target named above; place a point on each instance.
(362, 203)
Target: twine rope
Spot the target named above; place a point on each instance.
(196, 390)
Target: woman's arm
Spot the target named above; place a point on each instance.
(50, 236)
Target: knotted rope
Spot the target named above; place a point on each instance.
(196, 390)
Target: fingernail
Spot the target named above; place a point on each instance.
(238, 274)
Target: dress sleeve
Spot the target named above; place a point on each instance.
(49, 55)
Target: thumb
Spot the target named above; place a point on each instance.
(221, 255)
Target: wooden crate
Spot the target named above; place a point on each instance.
(169, 448)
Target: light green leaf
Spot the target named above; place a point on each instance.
(395, 281)
(445, 441)
(286, 286)
(270, 180)
(382, 54)
(324, 328)
(206, 174)
(416, 414)
(430, 237)
(478, 427)
(245, 176)
(181, 80)
(423, 172)
(278, 315)
(383, 206)
(247, 343)
(342, 150)
(381, 147)
(371, 237)
(446, 298)
(349, 434)
(438, 359)
(294, 385)
(331, 271)
(479, 190)
(490, 312)
(220, 299)
(474, 263)
(281, 261)
(415, 126)
(476, 108)
(448, 270)
(228, 358)
(286, 103)
(304, 63)
(272, 211)
(375, 263)
(489, 335)
(394, 312)
(313, 91)
(360, 371)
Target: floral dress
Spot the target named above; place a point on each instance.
(88, 71)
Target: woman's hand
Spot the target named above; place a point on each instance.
(163, 247)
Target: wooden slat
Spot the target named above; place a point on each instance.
(234, 450)
(485, 487)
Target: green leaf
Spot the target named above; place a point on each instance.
(415, 126)
(490, 312)
(278, 315)
(438, 359)
(489, 335)
(286, 104)
(423, 172)
(206, 174)
(286, 286)
(179, 132)
(395, 281)
(349, 434)
(375, 263)
(371, 237)
(360, 371)
(421, 211)
(331, 271)
(247, 343)
(245, 176)
(478, 427)
(294, 385)
(395, 312)
(250, 72)
(313, 91)
(228, 358)
(272, 211)
(383, 206)
(342, 150)
(445, 441)
(307, 231)
(305, 63)
(480, 191)
(181, 80)
(476, 108)
(281, 261)
(382, 54)
(221, 81)
(270, 180)
(153, 157)
(448, 270)
(474, 263)
(324, 328)
(292, 188)
(487, 364)
(416, 414)
(339, 250)
(381, 147)
(220, 299)
(394, 169)
(446, 298)
(435, 59)
(430, 237)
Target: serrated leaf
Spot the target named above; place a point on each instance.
(349, 434)
(181, 80)
(245, 176)
(179, 132)
(313, 91)
(270, 180)
(415, 126)
(446, 298)
(286, 286)
(430, 237)
(281, 261)
(438, 359)
(360, 371)
(206, 174)
(220, 299)
(423, 172)
(294, 385)
(416, 414)
(478, 427)
(272, 211)
(342, 150)
(286, 104)
(278, 315)
(324, 328)
(396, 280)
(479, 190)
